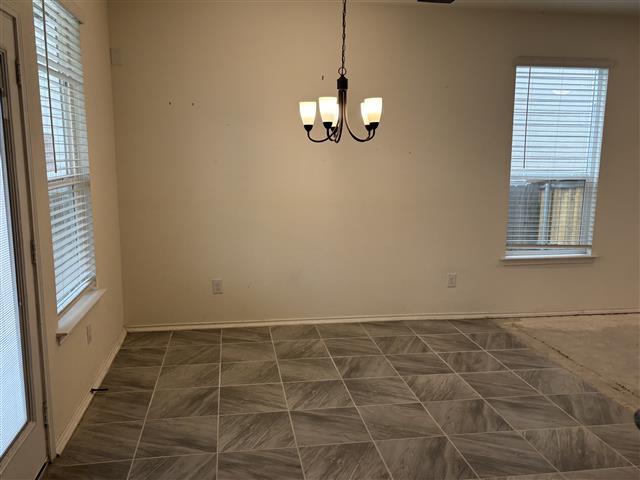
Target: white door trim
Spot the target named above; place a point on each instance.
(8, 8)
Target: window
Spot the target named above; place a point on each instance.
(558, 122)
(66, 148)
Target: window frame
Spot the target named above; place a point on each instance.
(555, 255)
(69, 87)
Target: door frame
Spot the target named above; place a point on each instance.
(41, 333)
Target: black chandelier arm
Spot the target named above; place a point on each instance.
(317, 141)
(358, 139)
(338, 131)
(353, 135)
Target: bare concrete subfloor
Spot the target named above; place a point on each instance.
(602, 349)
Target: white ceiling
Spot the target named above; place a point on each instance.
(593, 6)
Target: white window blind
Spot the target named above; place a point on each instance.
(558, 123)
(66, 148)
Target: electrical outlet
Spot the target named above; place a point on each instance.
(89, 333)
(216, 286)
(452, 279)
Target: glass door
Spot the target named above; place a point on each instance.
(22, 432)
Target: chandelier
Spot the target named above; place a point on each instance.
(333, 110)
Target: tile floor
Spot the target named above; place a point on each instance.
(403, 400)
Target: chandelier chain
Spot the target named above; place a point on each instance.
(342, 70)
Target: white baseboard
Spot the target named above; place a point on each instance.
(377, 318)
(63, 439)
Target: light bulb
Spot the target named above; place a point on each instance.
(308, 112)
(328, 109)
(374, 109)
(363, 112)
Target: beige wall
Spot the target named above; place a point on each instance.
(74, 365)
(217, 179)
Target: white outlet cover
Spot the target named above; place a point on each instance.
(217, 286)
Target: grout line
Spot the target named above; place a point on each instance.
(144, 421)
(355, 406)
(286, 404)
(427, 411)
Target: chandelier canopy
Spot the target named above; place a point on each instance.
(333, 110)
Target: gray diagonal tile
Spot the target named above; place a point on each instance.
(294, 332)
(575, 448)
(186, 467)
(281, 464)
(418, 364)
(347, 461)
(424, 459)
(624, 473)
(267, 397)
(523, 359)
(101, 443)
(146, 339)
(248, 352)
(341, 330)
(531, 412)
(593, 408)
(308, 369)
(450, 343)
(401, 345)
(498, 384)
(314, 395)
(501, 453)
(431, 327)
(472, 362)
(192, 354)
(255, 431)
(96, 471)
(398, 421)
(138, 357)
(467, 416)
(429, 388)
(365, 366)
(244, 373)
(497, 340)
(555, 381)
(331, 425)
(476, 325)
(117, 407)
(379, 391)
(386, 329)
(178, 436)
(245, 334)
(186, 376)
(130, 379)
(625, 439)
(195, 337)
(291, 349)
(352, 346)
(186, 402)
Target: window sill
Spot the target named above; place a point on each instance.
(547, 260)
(72, 317)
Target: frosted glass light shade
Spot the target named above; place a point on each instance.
(364, 113)
(329, 109)
(336, 114)
(308, 112)
(374, 109)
